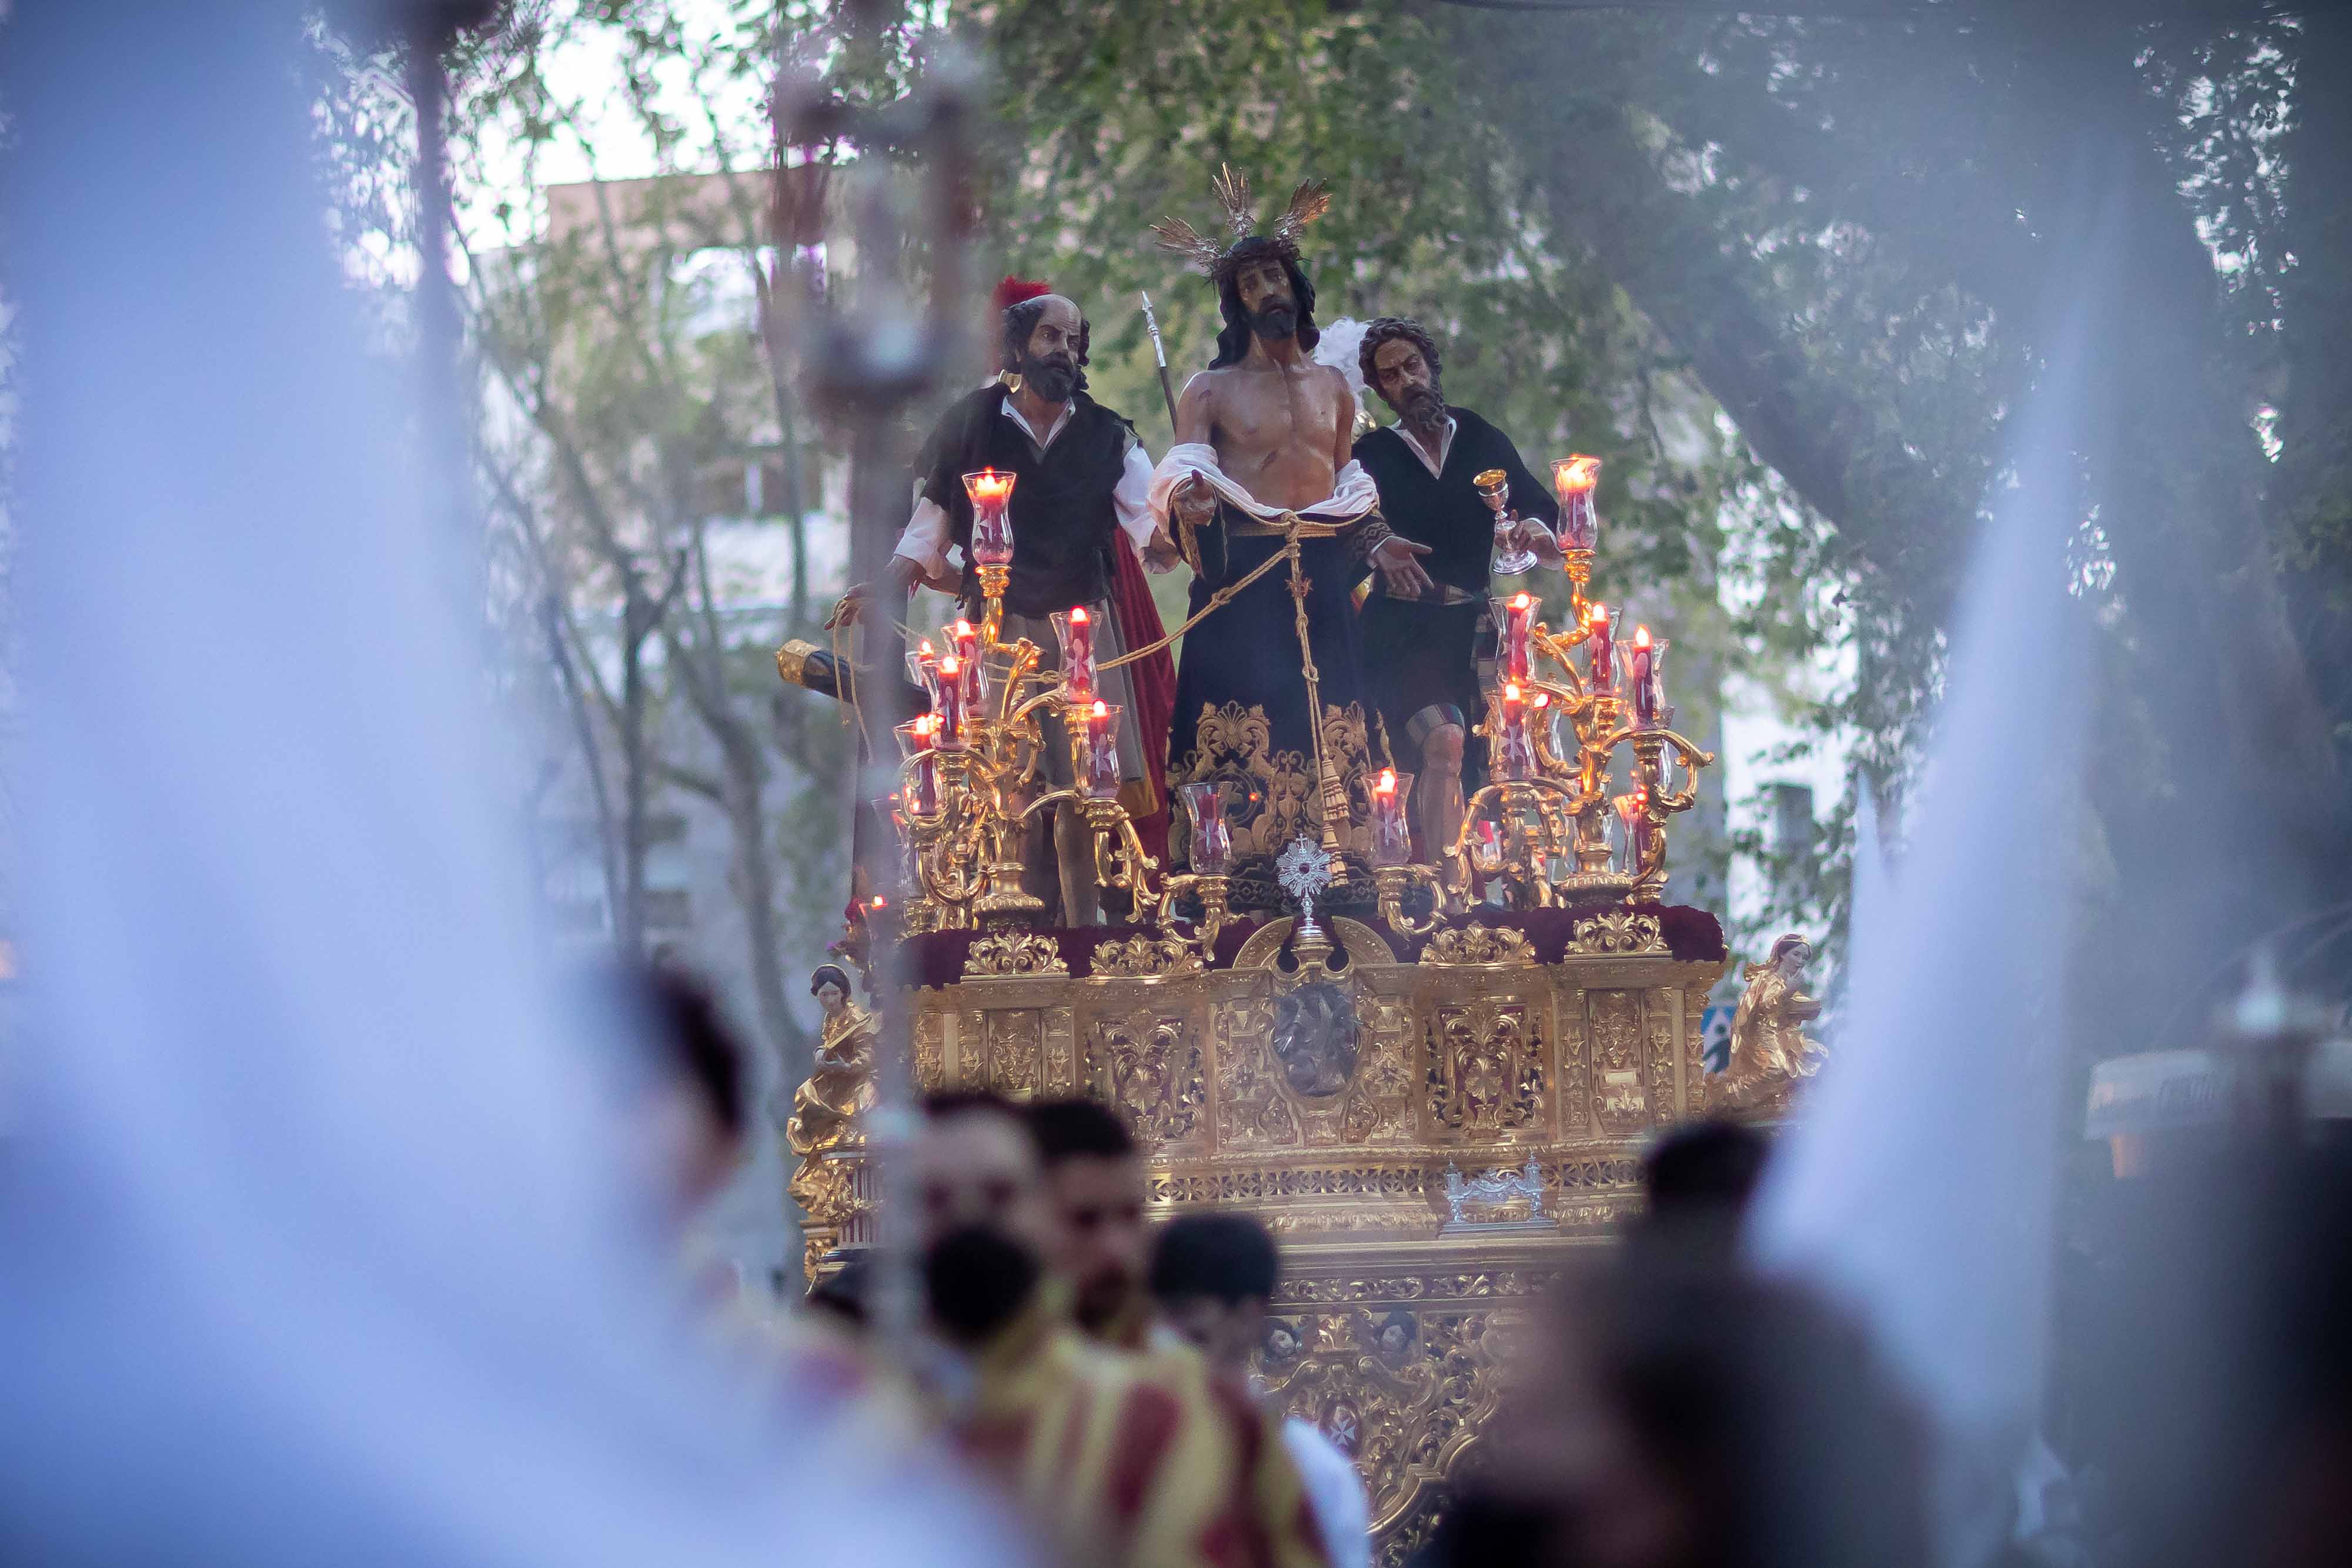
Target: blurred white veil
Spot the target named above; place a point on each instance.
(1919, 1186)
(312, 1249)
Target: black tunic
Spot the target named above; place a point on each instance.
(1445, 510)
(1064, 526)
(1421, 659)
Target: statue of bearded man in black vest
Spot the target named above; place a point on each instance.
(1082, 530)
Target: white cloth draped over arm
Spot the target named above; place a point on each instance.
(1132, 503)
(1352, 491)
(925, 538)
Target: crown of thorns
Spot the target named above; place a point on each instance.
(1206, 255)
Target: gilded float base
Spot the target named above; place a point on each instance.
(1334, 1099)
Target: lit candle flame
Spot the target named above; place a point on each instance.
(1575, 472)
(1102, 709)
(1640, 637)
(1511, 692)
(1520, 600)
(949, 665)
(1078, 617)
(988, 484)
(1598, 615)
(1386, 784)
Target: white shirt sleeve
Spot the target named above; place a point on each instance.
(1131, 500)
(1333, 1492)
(925, 540)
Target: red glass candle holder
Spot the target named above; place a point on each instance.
(991, 517)
(1392, 827)
(1573, 479)
(1074, 630)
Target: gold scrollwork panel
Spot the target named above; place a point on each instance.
(1149, 1064)
(1485, 1072)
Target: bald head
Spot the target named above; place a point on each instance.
(1046, 344)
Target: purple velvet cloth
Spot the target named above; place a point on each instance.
(1693, 935)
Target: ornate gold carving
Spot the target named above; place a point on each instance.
(1234, 745)
(1660, 1006)
(1012, 1047)
(1615, 1020)
(1146, 958)
(1479, 945)
(1403, 1392)
(1149, 1065)
(1618, 931)
(1060, 1037)
(1486, 1070)
(930, 1050)
(1015, 953)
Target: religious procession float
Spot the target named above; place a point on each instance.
(1427, 1048)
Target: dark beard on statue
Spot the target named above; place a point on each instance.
(1053, 377)
(1424, 410)
(974, 1279)
(1276, 322)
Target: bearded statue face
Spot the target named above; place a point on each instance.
(1049, 359)
(1408, 383)
(1264, 286)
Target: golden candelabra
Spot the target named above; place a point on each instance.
(1547, 828)
(971, 769)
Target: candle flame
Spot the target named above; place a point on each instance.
(988, 484)
(1386, 784)
(1640, 637)
(1078, 617)
(1102, 709)
(1576, 472)
(951, 664)
(1511, 691)
(1520, 600)
(1598, 615)
(1543, 699)
(924, 648)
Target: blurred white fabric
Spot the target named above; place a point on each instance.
(316, 1249)
(1918, 1185)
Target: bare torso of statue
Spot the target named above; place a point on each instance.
(1281, 430)
(1281, 424)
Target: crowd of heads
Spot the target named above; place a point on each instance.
(1671, 1407)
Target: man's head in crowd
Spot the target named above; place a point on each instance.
(984, 1217)
(690, 1113)
(1097, 1177)
(1212, 1275)
(1681, 1415)
(1699, 1179)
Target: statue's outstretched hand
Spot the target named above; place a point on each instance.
(1194, 502)
(1400, 573)
(849, 606)
(899, 578)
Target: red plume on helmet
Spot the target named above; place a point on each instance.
(1011, 292)
(1019, 290)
